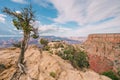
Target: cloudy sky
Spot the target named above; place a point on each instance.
(66, 17)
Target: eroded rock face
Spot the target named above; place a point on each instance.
(43, 66)
(113, 38)
(106, 47)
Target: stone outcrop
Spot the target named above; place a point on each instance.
(106, 51)
(43, 66)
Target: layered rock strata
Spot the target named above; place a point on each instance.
(105, 51)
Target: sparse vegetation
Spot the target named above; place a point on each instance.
(18, 44)
(53, 74)
(46, 48)
(2, 67)
(80, 59)
(77, 58)
(58, 45)
(67, 53)
(111, 75)
(44, 42)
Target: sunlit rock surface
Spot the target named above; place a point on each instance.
(43, 66)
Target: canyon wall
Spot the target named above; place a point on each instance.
(103, 51)
(113, 38)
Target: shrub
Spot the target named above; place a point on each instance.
(67, 53)
(46, 48)
(53, 74)
(111, 75)
(18, 44)
(80, 59)
(2, 67)
(60, 45)
(44, 42)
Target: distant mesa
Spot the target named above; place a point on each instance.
(7, 41)
(109, 37)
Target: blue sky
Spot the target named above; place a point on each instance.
(66, 17)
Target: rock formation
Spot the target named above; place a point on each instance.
(103, 51)
(42, 66)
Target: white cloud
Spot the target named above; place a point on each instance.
(111, 26)
(98, 10)
(20, 1)
(68, 10)
(18, 12)
(51, 29)
(85, 11)
(88, 12)
(2, 18)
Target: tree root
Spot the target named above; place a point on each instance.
(19, 71)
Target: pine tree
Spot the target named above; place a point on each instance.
(22, 21)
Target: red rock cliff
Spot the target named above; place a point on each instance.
(103, 50)
(113, 38)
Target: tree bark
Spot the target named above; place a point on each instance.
(24, 46)
(21, 56)
(20, 63)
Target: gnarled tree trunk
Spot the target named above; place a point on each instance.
(20, 64)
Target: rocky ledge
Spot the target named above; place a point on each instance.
(43, 66)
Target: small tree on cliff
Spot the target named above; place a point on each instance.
(22, 21)
(44, 42)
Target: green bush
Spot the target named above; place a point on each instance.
(46, 48)
(80, 59)
(67, 53)
(111, 75)
(61, 46)
(2, 67)
(53, 74)
(44, 42)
